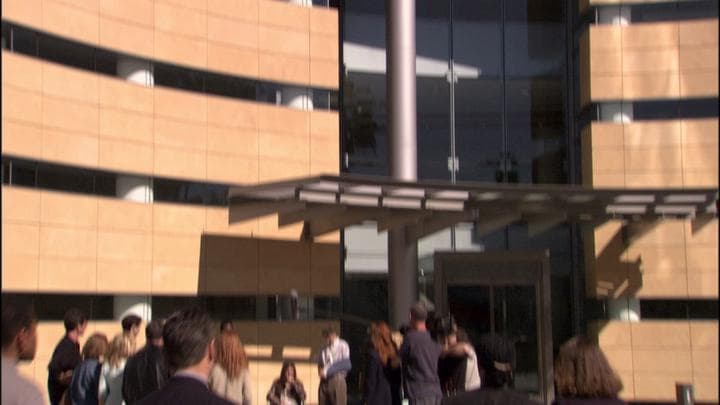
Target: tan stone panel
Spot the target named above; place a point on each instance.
(657, 387)
(605, 37)
(700, 131)
(702, 259)
(87, 5)
(652, 133)
(232, 169)
(73, 149)
(231, 113)
(21, 71)
(233, 32)
(324, 20)
(608, 160)
(656, 85)
(620, 359)
(71, 116)
(699, 84)
(217, 222)
(670, 258)
(57, 208)
(125, 246)
(704, 334)
(663, 284)
(324, 47)
(181, 105)
(606, 62)
(282, 120)
(705, 362)
(135, 11)
(21, 239)
(268, 228)
(283, 266)
(324, 123)
(123, 95)
(180, 20)
(698, 58)
(127, 37)
(19, 273)
(176, 249)
(650, 35)
(26, 106)
(191, 4)
(609, 180)
(666, 233)
(180, 50)
(664, 179)
(280, 334)
(125, 125)
(114, 214)
(657, 360)
(603, 87)
(698, 32)
(20, 204)
(232, 141)
(21, 139)
(706, 388)
(324, 149)
(702, 178)
(331, 166)
(180, 134)
(282, 14)
(325, 269)
(707, 235)
(238, 61)
(225, 278)
(179, 163)
(127, 277)
(653, 158)
(661, 335)
(238, 9)
(23, 11)
(271, 169)
(284, 41)
(650, 60)
(69, 243)
(295, 148)
(232, 265)
(178, 218)
(125, 156)
(606, 134)
(67, 275)
(700, 157)
(613, 335)
(628, 391)
(703, 285)
(324, 74)
(69, 21)
(284, 68)
(175, 279)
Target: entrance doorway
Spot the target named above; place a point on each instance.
(505, 293)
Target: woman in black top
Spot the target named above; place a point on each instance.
(382, 374)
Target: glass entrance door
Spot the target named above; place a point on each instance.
(504, 294)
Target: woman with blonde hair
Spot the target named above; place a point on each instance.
(382, 374)
(584, 376)
(111, 375)
(230, 377)
(86, 377)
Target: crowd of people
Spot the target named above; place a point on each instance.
(186, 360)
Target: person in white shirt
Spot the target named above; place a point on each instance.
(19, 343)
(111, 375)
(333, 366)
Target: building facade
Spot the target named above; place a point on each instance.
(124, 124)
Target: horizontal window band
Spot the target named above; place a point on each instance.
(647, 110)
(52, 307)
(661, 11)
(38, 44)
(652, 309)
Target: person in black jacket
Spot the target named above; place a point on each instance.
(188, 345)
(382, 370)
(66, 355)
(145, 371)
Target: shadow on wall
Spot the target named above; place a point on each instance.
(616, 277)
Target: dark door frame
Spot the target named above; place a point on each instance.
(497, 268)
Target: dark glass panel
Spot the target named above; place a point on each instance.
(471, 308)
(321, 99)
(52, 307)
(215, 194)
(229, 86)
(177, 77)
(106, 62)
(23, 173)
(24, 41)
(65, 179)
(326, 307)
(105, 184)
(268, 93)
(433, 128)
(164, 306)
(169, 190)
(66, 52)
(5, 36)
(674, 11)
(366, 143)
(663, 309)
(6, 172)
(698, 108)
(703, 309)
(237, 308)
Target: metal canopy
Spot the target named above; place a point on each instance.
(328, 203)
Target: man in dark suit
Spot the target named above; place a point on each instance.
(145, 371)
(188, 344)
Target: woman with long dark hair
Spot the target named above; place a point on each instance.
(382, 372)
(287, 389)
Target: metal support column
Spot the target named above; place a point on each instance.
(402, 127)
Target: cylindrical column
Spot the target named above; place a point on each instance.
(133, 188)
(296, 97)
(135, 71)
(624, 309)
(684, 394)
(129, 304)
(304, 3)
(402, 116)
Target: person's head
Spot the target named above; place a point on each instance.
(496, 357)
(226, 326)
(75, 320)
(329, 334)
(581, 370)
(154, 333)
(288, 372)
(19, 331)
(188, 340)
(418, 315)
(131, 324)
(230, 354)
(382, 342)
(95, 347)
(120, 348)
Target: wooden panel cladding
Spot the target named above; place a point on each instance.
(266, 39)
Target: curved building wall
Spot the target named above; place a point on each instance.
(74, 248)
